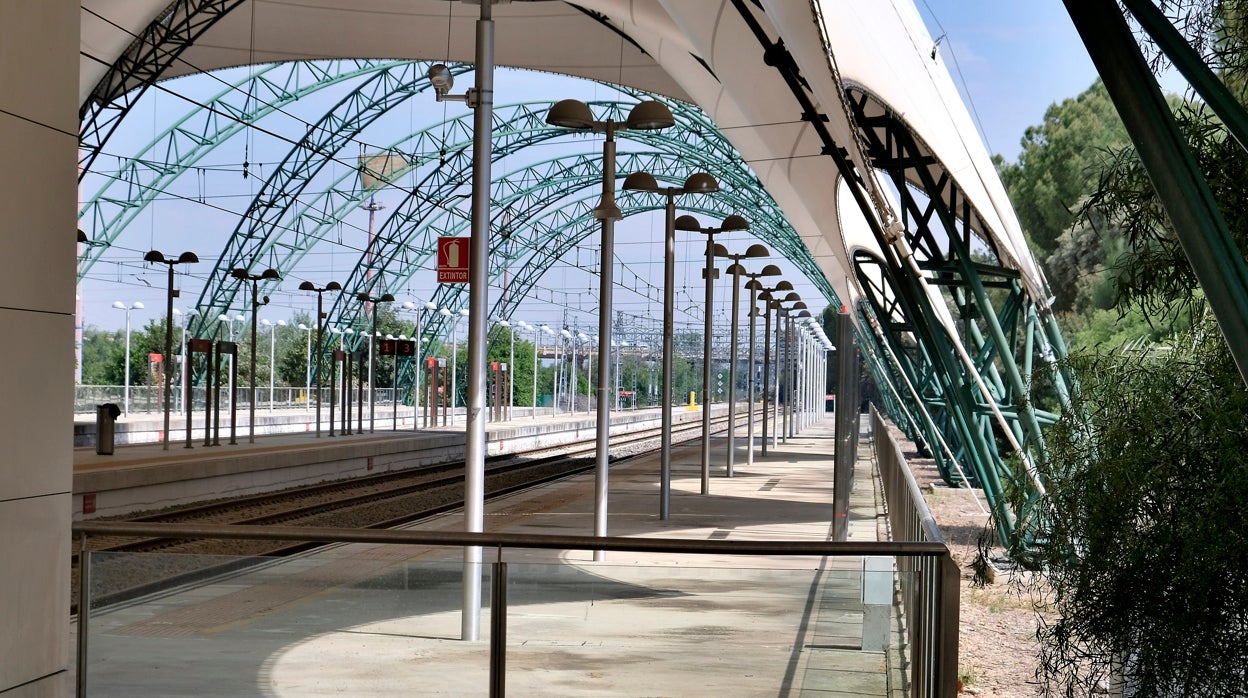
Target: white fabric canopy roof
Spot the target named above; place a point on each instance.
(696, 50)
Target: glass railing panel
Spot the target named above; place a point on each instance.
(310, 625)
(374, 624)
(600, 629)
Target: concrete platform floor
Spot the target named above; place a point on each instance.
(385, 620)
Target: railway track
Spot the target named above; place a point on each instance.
(379, 501)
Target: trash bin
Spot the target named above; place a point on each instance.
(105, 432)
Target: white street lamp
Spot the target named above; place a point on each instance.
(690, 224)
(182, 398)
(752, 252)
(137, 305)
(544, 329)
(454, 318)
(572, 371)
(272, 344)
(589, 370)
(308, 369)
(619, 350)
(418, 338)
(755, 286)
(372, 336)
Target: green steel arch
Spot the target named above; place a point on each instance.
(553, 221)
(137, 181)
(519, 126)
(142, 64)
(546, 184)
(979, 379)
(547, 207)
(263, 224)
(555, 233)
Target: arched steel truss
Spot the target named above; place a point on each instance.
(265, 221)
(191, 137)
(141, 65)
(146, 174)
(552, 211)
(981, 390)
(440, 155)
(977, 402)
(977, 378)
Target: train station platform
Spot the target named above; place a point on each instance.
(144, 476)
(364, 619)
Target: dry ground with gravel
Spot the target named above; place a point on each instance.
(997, 649)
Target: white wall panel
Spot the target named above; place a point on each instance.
(38, 197)
(34, 605)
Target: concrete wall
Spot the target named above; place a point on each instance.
(38, 197)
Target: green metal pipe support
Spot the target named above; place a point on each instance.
(1180, 186)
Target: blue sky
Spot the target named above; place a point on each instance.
(1011, 59)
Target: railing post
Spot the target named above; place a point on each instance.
(84, 613)
(498, 629)
(947, 626)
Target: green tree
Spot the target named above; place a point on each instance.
(1146, 555)
(1059, 164)
(292, 350)
(103, 356)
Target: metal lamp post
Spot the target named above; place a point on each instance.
(783, 359)
(526, 326)
(255, 279)
(454, 317)
(646, 116)
(137, 305)
(755, 286)
(566, 336)
(272, 355)
(690, 224)
(752, 252)
(791, 364)
(589, 367)
(619, 350)
(696, 183)
(770, 303)
(373, 301)
(320, 337)
(156, 256)
(557, 378)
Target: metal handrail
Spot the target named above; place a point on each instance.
(924, 557)
(508, 540)
(932, 607)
